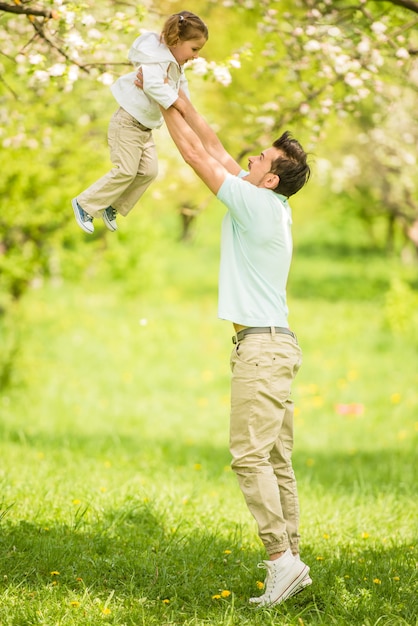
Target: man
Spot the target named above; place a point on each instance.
(256, 250)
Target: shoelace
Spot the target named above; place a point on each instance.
(111, 213)
(86, 217)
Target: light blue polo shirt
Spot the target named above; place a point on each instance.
(256, 252)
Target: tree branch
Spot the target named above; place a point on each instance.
(411, 5)
(21, 10)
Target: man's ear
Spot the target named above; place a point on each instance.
(271, 181)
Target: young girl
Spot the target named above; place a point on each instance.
(132, 149)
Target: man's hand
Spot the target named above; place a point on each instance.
(139, 81)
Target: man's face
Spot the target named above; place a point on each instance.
(259, 166)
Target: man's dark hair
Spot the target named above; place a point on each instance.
(292, 168)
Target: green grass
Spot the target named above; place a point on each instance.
(117, 502)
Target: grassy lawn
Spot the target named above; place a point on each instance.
(117, 502)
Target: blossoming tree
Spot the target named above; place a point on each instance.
(320, 64)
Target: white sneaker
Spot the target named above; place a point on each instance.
(84, 220)
(109, 218)
(286, 576)
(305, 582)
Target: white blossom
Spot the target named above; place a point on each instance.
(353, 81)
(402, 53)
(35, 59)
(222, 75)
(69, 17)
(364, 46)
(235, 63)
(88, 20)
(73, 73)
(41, 76)
(75, 40)
(106, 78)
(265, 120)
(58, 69)
(93, 33)
(199, 66)
(334, 31)
(379, 28)
(312, 46)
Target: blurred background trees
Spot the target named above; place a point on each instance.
(342, 76)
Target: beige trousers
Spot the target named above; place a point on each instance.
(135, 166)
(261, 434)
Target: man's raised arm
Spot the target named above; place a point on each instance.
(205, 133)
(211, 170)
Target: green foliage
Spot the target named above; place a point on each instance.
(401, 308)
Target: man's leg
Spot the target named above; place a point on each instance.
(263, 368)
(281, 460)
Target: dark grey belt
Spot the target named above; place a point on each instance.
(255, 330)
(142, 127)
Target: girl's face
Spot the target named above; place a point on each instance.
(187, 50)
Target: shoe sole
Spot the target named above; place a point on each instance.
(302, 585)
(79, 221)
(108, 224)
(290, 589)
(305, 582)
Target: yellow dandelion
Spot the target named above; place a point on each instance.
(319, 558)
(317, 401)
(54, 583)
(76, 501)
(55, 573)
(377, 581)
(207, 376)
(325, 536)
(227, 552)
(79, 579)
(103, 489)
(395, 398)
(216, 596)
(166, 601)
(396, 578)
(365, 535)
(106, 611)
(352, 375)
(74, 603)
(225, 593)
(197, 467)
(259, 584)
